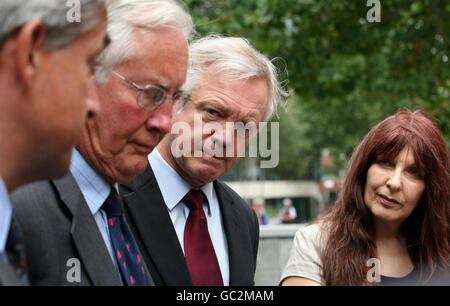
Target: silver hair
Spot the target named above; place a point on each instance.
(233, 57)
(60, 31)
(127, 16)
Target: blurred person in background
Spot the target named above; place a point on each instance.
(288, 212)
(260, 210)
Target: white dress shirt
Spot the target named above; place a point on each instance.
(95, 191)
(5, 215)
(173, 189)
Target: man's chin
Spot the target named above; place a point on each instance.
(204, 175)
(55, 169)
(130, 173)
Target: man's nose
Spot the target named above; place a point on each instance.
(160, 118)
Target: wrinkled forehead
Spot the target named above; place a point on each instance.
(245, 91)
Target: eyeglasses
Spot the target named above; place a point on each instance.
(150, 97)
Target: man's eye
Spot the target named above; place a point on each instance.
(212, 112)
(154, 94)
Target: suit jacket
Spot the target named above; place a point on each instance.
(57, 225)
(7, 275)
(155, 234)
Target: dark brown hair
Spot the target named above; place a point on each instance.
(351, 234)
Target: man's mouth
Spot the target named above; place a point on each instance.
(144, 148)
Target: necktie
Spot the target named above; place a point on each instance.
(126, 251)
(15, 252)
(198, 249)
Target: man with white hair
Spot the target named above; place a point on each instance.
(84, 235)
(192, 228)
(46, 66)
(288, 212)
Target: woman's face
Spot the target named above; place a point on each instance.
(393, 187)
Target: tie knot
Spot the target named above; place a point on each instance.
(194, 199)
(112, 205)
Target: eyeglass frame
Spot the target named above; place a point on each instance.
(185, 95)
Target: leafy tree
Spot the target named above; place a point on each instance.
(346, 74)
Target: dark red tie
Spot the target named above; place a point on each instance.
(198, 249)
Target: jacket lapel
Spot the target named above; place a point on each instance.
(230, 219)
(149, 213)
(86, 235)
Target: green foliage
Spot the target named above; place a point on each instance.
(346, 73)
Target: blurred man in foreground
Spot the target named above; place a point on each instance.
(46, 66)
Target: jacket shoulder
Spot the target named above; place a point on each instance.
(38, 203)
(34, 193)
(240, 203)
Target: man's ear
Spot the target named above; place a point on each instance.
(30, 46)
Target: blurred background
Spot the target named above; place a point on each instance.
(344, 74)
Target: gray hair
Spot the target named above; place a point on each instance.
(233, 57)
(53, 13)
(127, 16)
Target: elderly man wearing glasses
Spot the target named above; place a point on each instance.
(82, 236)
(193, 229)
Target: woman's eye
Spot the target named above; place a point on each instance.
(414, 171)
(384, 162)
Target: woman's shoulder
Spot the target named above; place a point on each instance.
(314, 231)
(305, 257)
(312, 237)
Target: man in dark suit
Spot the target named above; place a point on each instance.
(74, 228)
(193, 229)
(40, 115)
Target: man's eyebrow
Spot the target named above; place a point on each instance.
(213, 103)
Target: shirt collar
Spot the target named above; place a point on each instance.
(5, 215)
(93, 187)
(173, 187)
(208, 191)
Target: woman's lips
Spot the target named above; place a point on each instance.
(387, 201)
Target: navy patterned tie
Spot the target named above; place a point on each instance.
(125, 249)
(15, 252)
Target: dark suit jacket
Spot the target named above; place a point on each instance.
(7, 276)
(57, 225)
(154, 232)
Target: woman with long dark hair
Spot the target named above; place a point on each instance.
(390, 223)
